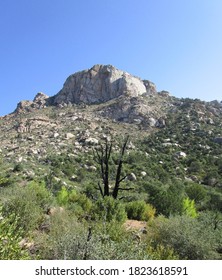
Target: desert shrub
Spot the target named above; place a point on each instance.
(4, 182)
(10, 236)
(110, 241)
(215, 200)
(18, 167)
(66, 238)
(167, 199)
(196, 192)
(71, 240)
(161, 252)
(109, 209)
(189, 238)
(41, 195)
(140, 210)
(80, 203)
(28, 204)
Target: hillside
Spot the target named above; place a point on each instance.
(52, 174)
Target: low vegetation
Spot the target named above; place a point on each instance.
(77, 205)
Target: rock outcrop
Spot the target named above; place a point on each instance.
(38, 102)
(100, 84)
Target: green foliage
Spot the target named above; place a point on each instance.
(79, 203)
(167, 199)
(62, 196)
(215, 200)
(28, 204)
(161, 252)
(66, 239)
(18, 167)
(196, 192)
(4, 182)
(140, 210)
(189, 208)
(189, 238)
(109, 209)
(113, 243)
(10, 236)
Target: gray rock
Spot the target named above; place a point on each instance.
(143, 173)
(152, 122)
(160, 123)
(91, 141)
(150, 87)
(99, 84)
(131, 177)
(55, 135)
(69, 135)
(180, 154)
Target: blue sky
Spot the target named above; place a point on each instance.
(177, 44)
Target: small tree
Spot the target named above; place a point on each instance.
(102, 157)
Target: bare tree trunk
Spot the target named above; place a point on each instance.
(119, 169)
(102, 157)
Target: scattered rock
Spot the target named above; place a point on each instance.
(91, 141)
(131, 177)
(180, 154)
(69, 135)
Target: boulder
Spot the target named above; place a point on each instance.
(131, 177)
(69, 135)
(180, 154)
(91, 141)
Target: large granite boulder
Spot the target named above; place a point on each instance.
(99, 84)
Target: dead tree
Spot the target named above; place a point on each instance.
(102, 157)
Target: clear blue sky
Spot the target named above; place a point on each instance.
(177, 44)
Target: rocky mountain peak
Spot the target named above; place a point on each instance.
(99, 84)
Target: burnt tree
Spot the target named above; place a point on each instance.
(102, 157)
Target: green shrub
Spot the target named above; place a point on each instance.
(109, 209)
(62, 196)
(189, 238)
(10, 236)
(167, 199)
(79, 203)
(196, 192)
(28, 204)
(4, 182)
(66, 239)
(161, 252)
(18, 167)
(189, 208)
(140, 210)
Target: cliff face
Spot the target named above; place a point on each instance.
(99, 84)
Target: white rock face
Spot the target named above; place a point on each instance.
(99, 84)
